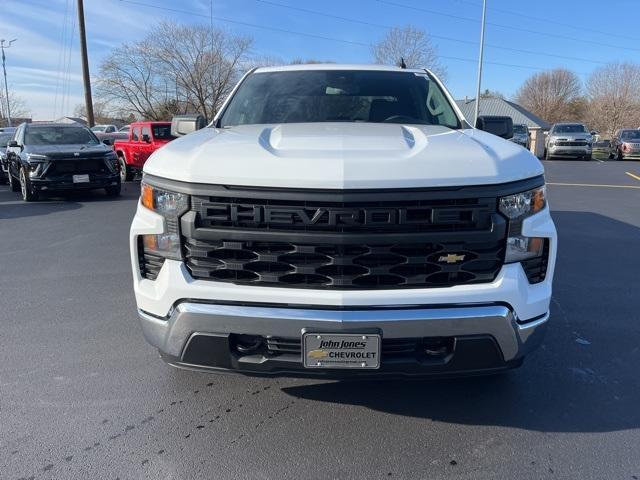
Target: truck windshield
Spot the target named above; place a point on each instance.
(569, 129)
(339, 96)
(60, 136)
(162, 132)
(630, 135)
(4, 139)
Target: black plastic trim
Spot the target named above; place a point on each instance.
(347, 195)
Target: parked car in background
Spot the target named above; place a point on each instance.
(625, 144)
(521, 135)
(104, 129)
(4, 141)
(568, 140)
(47, 157)
(143, 139)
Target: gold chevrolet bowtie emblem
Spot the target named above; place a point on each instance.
(451, 258)
(318, 354)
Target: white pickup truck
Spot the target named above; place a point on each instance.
(343, 221)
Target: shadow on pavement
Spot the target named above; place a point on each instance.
(12, 206)
(585, 376)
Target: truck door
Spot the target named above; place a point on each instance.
(134, 147)
(146, 144)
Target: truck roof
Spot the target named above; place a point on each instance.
(153, 122)
(337, 66)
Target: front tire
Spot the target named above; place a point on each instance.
(15, 186)
(126, 175)
(114, 190)
(26, 189)
(589, 157)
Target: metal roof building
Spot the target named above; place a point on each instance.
(500, 106)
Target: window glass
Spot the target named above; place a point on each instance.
(146, 131)
(162, 132)
(630, 135)
(135, 136)
(339, 96)
(58, 135)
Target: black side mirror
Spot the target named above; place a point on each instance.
(146, 138)
(185, 124)
(107, 141)
(497, 125)
(593, 132)
(13, 144)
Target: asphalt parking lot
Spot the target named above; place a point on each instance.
(82, 395)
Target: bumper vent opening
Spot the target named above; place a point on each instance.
(536, 268)
(150, 264)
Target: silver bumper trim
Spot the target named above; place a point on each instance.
(171, 334)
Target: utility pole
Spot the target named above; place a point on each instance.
(88, 102)
(6, 85)
(484, 14)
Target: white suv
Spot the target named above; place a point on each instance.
(341, 220)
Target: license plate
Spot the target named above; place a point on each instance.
(81, 179)
(344, 350)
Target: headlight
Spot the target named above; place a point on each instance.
(516, 208)
(171, 205)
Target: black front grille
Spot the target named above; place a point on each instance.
(346, 239)
(571, 144)
(391, 348)
(63, 167)
(344, 266)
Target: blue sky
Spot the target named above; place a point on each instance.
(45, 58)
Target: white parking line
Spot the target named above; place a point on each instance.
(594, 185)
(632, 175)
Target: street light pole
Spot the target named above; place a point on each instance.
(88, 102)
(477, 109)
(6, 85)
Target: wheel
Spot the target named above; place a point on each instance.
(588, 158)
(28, 195)
(15, 186)
(114, 190)
(126, 175)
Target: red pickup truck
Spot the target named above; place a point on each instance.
(144, 139)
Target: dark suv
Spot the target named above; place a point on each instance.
(57, 157)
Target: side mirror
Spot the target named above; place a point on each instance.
(146, 138)
(497, 125)
(107, 141)
(186, 124)
(13, 144)
(593, 132)
(545, 133)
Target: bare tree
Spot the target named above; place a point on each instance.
(614, 97)
(17, 104)
(411, 45)
(491, 94)
(551, 95)
(175, 69)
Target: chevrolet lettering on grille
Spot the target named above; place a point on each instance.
(248, 215)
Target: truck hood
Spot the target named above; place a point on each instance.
(343, 156)
(69, 151)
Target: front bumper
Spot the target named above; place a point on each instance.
(493, 325)
(569, 151)
(66, 183)
(485, 338)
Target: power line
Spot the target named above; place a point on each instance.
(442, 37)
(311, 35)
(499, 25)
(550, 21)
